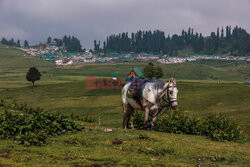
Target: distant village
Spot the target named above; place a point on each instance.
(61, 57)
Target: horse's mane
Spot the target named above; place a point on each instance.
(172, 80)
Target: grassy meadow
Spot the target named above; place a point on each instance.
(64, 90)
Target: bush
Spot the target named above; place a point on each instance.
(220, 128)
(31, 126)
(216, 127)
(137, 119)
(180, 123)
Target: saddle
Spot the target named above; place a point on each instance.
(135, 90)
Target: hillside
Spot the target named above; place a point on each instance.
(73, 98)
(64, 90)
(224, 71)
(13, 67)
(14, 59)
(93, 147)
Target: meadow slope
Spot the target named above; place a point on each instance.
(64, 90)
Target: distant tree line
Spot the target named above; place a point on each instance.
(71, 43)
(235, 41)
(12, 42)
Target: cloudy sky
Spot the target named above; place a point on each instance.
(35, 20)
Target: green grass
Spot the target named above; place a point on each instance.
(187, 71)
(64, 90)
(94, 147)
(14, 59)
(14, 66)
(73, 97)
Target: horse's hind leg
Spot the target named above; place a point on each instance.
(146, 114)
(128, 110)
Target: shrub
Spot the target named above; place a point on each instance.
(30, 126)
(180, 123)
(220, 128)
(138, 119)
(216, 127)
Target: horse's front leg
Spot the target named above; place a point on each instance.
(154, 110)
(153, 122)
(146, 113)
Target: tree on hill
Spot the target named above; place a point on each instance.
(158, 72)
(4, 41)
(72, 44)
(96, 46)
(18, 43)
(26, 44)
(12, 42)
(148, 71)
(33, 75)
(8, 42)
(59, 42)
(152, 71)
(49, 40)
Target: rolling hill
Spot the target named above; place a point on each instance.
(64, 90)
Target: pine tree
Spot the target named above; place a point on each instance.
(12, 42)
(235, 41)
(222, 33)
(26, 44)
(49, 40)
(18, 43)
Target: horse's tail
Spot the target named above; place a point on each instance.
(124, 91)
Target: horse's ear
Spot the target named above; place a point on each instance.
(172, 80)
(165, 85)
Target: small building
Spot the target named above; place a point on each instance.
(135, 73)
(72, 54)
(113, 54)
(114, 76)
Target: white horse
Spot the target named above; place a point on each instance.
(151, 102)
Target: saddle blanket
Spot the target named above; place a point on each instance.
(136, 88)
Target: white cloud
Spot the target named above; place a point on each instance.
(11, 31)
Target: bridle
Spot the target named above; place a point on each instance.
(170, 100)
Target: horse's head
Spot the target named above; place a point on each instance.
(171, 93)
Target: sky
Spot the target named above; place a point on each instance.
(35, 20)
